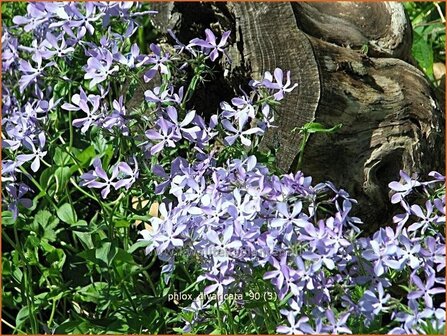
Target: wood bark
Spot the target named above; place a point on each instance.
(352, 63)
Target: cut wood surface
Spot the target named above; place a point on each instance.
(351, 61)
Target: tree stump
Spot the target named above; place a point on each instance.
(352, 62)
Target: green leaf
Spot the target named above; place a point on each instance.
(85, 238)
(138, 245)
(314, 127)
(122, 223)
(7, 218)
(86, 156)
(57, 258)
(423, 53)
(61, 158)
(106, 253)
(67, 214)
(22, 316)
(62, 176)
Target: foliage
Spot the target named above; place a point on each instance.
(428, 21)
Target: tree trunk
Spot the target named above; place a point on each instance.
(352, 62)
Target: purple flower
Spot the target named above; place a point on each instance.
(297, 327)
(38, 152)
(81, 20)
(381, 255)
(16, 191)
(414, 318)
(285, 218)
(81, 102)
(210, 43)
(100, 67)
(54, 48)
(278, 85)
(409, 254)
(181, 127)
(221, 282)
(133, 59)
(424, 219)
(166, 136)
(131, 174)
(158, 60)
(404, 189)
(434, 253)
(375, 304)
(425, 290)
(30, 74)
(90, 178)
(117, 119)
(338, 326)
(239, 133)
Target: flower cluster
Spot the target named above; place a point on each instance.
(69, 68)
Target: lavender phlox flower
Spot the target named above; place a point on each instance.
(316, 236)
(53, 47)
(158, 59)
(375, 302)
(157, 96)
(338, 326)
(426, 290)
(10, 53)
(401, 219)
(9, 168)
(404, 188)
(207, 130)
(438, 177)
(80, 20)
(277, 276)
(409, 252)
(210, 44)
(179, 46)
(36, 49)
(181, 127)
(100, 67)
(75, 37)
(37, 152)
(234, 134)
(81, 102)
(33, 19)
(413, 318)
(297, 326)
(170, 237)
(118, 117)
(166, 136)
(425, 219)
(222, 247)
(318, 260)
(29, 73)
(434, 253)
(242, 113)
(90, 179)
(282, 88)
(306, 273)
(268, 117)
(130, 174)
(221, 282)
(16, 193)
(439, 203)
(132, 59)
(381, 256)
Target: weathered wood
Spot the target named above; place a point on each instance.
(270, 43)
(381, 26)
(391, 119)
